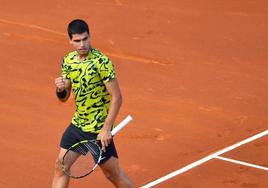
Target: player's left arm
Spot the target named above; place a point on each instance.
(113, 88)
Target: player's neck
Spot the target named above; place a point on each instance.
(82, 57)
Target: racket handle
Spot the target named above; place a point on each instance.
(121, 125)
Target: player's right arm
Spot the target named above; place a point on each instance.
(63, 88)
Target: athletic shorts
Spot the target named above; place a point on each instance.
(73, 135)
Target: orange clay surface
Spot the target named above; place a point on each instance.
(194, 75)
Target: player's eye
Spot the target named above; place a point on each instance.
(84, 39)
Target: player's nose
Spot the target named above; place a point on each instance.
(81, 44)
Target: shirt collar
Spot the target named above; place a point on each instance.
(89, 55)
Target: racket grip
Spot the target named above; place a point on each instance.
(121, 125)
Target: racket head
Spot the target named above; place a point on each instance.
(81, 159)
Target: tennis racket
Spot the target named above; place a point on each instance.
(83, 157)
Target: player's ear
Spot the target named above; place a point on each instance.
(70, 39)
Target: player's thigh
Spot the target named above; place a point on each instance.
(111, 167)
(66, 159)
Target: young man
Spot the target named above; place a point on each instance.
(91, 77)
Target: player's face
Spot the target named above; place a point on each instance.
(81, 43)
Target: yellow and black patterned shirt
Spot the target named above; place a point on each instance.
(88, 78)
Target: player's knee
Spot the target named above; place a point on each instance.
(58, 166)
(117, 177)
(130, 184)
(112, 175)
(126, 181)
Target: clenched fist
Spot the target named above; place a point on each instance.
(60, 84)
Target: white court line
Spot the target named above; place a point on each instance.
(203, 160)
(241, 163)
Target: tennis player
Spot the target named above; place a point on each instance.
(92, 78)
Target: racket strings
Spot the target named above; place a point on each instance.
(88, 147)
(94, 151)
(79, 149)
(88, 155)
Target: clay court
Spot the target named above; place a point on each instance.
(193, 74)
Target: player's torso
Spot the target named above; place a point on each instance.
(91, 97)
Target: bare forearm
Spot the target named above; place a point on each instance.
(116, 102)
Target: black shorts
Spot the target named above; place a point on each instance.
(73, 135)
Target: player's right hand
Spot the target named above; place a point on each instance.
(60, 84)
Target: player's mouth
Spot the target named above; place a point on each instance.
(83, 50)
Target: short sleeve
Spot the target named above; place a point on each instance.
(106, 69)
(65, 70)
